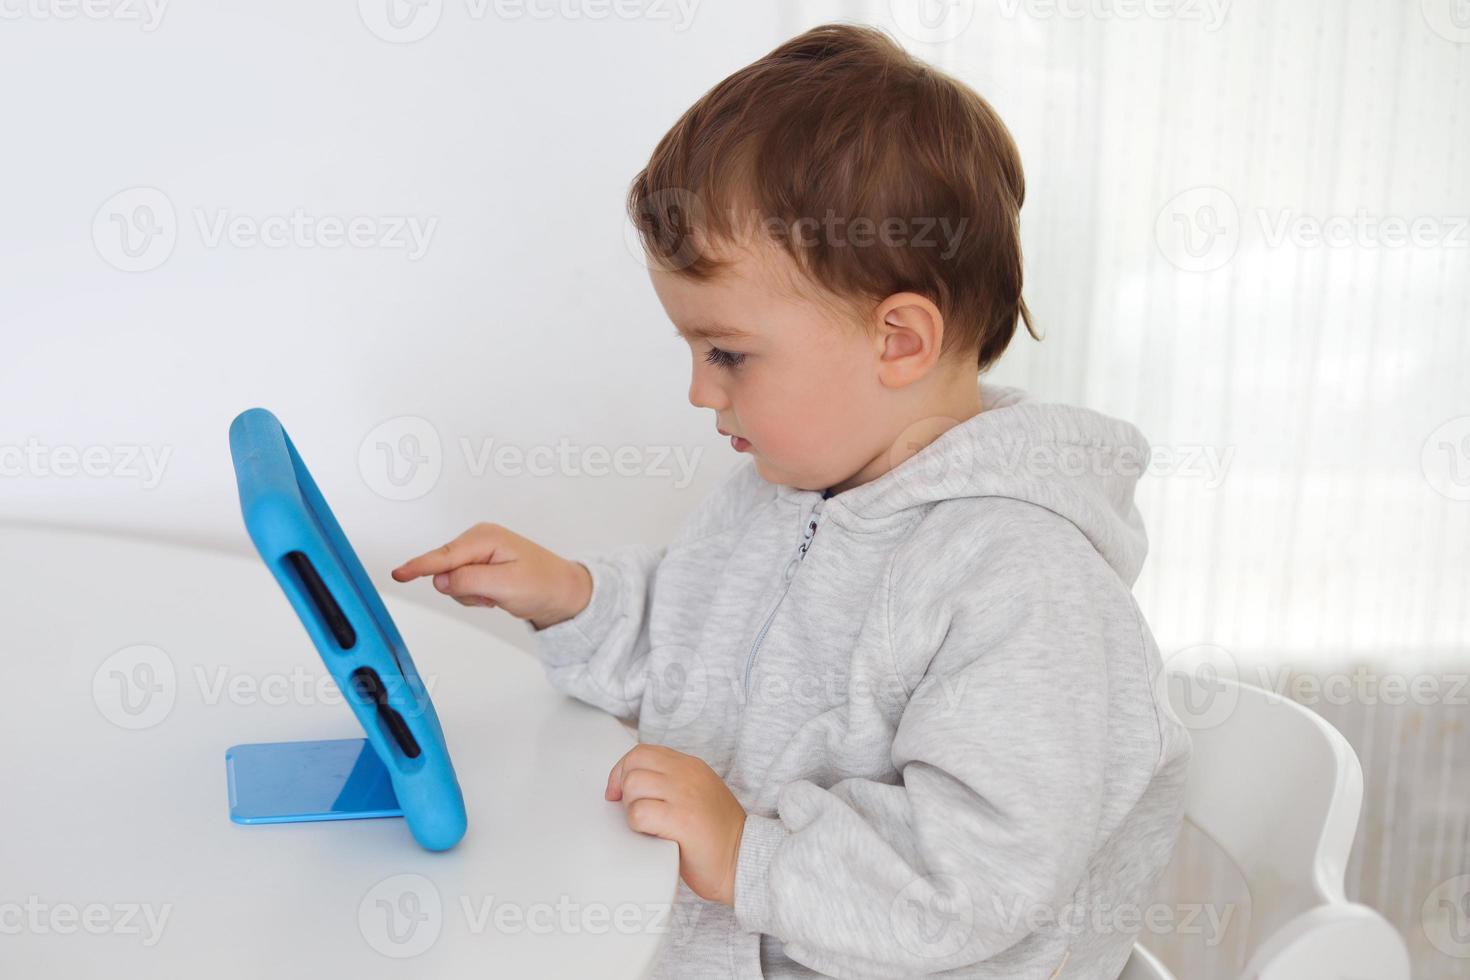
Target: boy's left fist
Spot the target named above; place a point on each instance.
(678, 797)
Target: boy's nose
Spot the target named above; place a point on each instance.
(704, 393)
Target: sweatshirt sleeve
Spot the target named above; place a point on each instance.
(600, 655)
(1000, 752)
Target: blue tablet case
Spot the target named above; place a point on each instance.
(403, 766)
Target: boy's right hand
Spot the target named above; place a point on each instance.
(490, 566)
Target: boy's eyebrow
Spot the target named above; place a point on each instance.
(708, 330)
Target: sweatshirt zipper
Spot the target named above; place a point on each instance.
(807, 534)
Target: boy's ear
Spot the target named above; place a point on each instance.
(909, 335)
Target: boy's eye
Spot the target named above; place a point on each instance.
(723, 358)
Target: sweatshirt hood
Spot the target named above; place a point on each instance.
(1079, 464)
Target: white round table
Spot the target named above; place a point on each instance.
(130, 666)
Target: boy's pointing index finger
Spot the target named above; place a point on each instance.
(479, 544)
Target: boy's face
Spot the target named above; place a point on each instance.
(791, 378)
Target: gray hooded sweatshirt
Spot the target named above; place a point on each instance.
(933, 694)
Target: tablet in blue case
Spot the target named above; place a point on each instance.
(403, 766)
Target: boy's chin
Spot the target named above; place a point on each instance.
(773, 474)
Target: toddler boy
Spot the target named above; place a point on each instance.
(894, 698)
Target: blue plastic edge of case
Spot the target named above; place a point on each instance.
(284, 512)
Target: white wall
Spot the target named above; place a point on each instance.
(527, 320)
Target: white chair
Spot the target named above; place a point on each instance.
(1278, 789)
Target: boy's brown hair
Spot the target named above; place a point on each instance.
(841, 129)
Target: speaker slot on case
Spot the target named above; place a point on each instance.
(369, 687)
(329, 614)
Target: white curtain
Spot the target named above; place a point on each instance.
(1246, 231)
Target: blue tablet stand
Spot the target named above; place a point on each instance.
(402, 768)
(290, 782)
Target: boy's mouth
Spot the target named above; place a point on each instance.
(737, 443)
